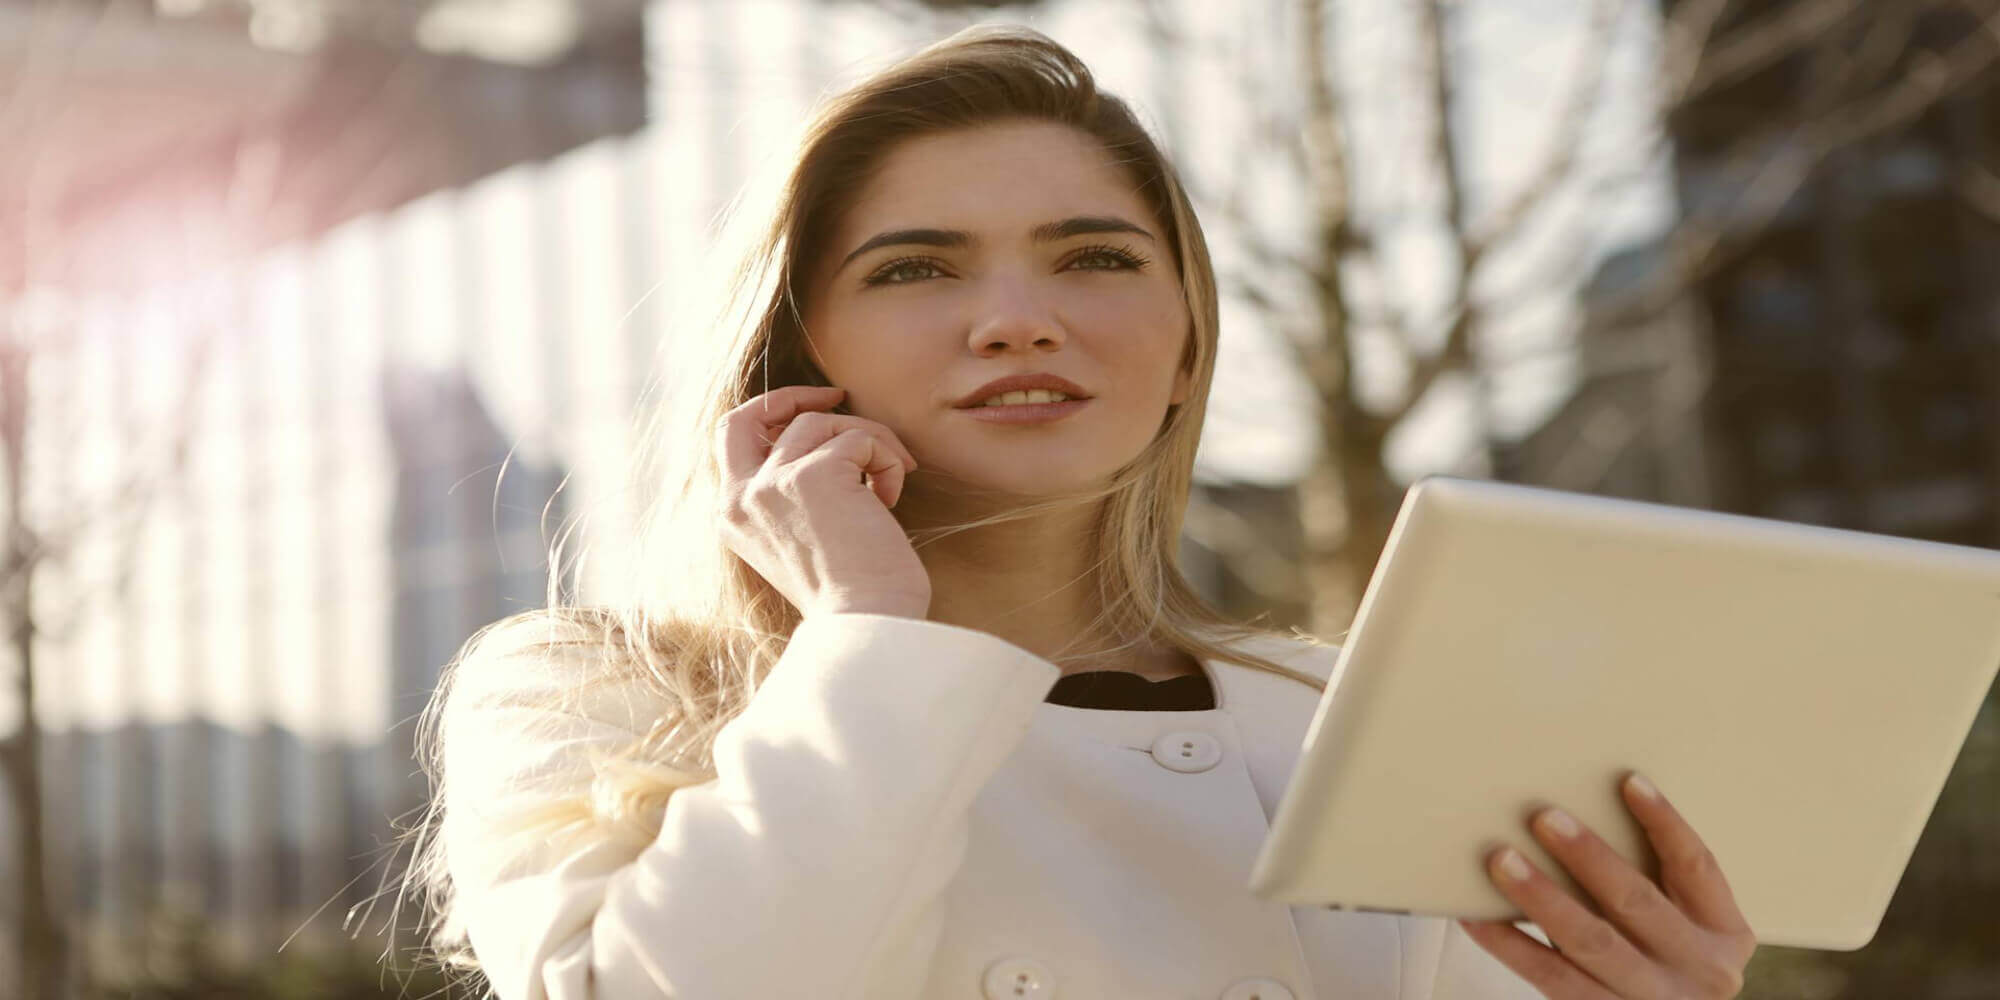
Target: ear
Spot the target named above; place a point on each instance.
(1183, 387)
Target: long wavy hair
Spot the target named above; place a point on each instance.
(699, 629)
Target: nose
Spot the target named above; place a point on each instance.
(1012, 317)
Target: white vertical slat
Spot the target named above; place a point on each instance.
(396, 301)
(764, 86)
(420, 251)
(193, 601)
(644, 262)
(507, 356)
(166, 699)
(415, 244)
(310, 687)
(93, 653)
(650, 258)
(360, 497)
(264, 771)
(683, 62)
(292, 477)
(594, 331)
(219, 614)
(216, 473)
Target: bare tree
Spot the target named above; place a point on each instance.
(45, 517)
(35, 539)
(1870, 75)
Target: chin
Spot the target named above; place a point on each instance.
(1039, 480)
(1033, 464)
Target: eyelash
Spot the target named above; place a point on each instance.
(1128, 260)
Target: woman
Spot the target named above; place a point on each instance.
(912, 699)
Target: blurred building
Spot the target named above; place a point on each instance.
(265, 122)
(229, 735)
(1857, 376)
(1839, 355)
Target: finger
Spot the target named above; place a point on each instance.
(1543, 967)
(1587, 940)
(1626, 895)
(746, 437)
(857, 447)
(810, 430)
(886, 481)
(1688, 869)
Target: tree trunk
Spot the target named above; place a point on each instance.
(1348, 502)
(41, 938)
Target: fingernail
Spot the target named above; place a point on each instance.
(1645, 788)
(1559, 823)
(1513, 865)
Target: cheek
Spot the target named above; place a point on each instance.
(1142, 331)
(870, 345)
(892, 371)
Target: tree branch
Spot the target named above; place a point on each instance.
(1325, 143)
(1703, 245)
(1574, 251)
(1686, 32)
(1979, 188)
(1456, 351)
(1695, 71)
(1560, 160)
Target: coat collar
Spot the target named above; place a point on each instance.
(1243, 695)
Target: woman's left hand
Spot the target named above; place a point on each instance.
(1680, 939)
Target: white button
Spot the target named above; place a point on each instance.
(1258, 989)
(1187, 751)
(1018, 977)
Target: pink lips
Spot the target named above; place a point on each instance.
(1026, 413)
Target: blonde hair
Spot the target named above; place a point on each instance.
(700, 637)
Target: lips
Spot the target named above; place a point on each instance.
(1026, 413)
(1013, 383)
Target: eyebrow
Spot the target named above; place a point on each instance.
(1047, 232)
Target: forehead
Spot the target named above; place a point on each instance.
(999, 179)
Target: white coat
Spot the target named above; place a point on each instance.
(899, 814)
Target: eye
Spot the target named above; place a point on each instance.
(1118, 258)
(885, 275)
(910, 270)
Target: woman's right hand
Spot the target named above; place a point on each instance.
(796, 509)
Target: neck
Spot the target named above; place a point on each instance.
(1029, 581)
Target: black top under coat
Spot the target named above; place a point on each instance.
(1127, 691)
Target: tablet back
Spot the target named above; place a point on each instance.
(1799, 693)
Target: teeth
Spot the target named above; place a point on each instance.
(1030, 396)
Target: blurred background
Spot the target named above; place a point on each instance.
(319, 319)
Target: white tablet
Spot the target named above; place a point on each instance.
(1799, 693)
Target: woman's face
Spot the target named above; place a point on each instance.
(911, 325)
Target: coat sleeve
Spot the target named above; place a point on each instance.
(814, 863)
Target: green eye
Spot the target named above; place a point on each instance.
(1121, 258)
(910, 270)
(885, 275)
